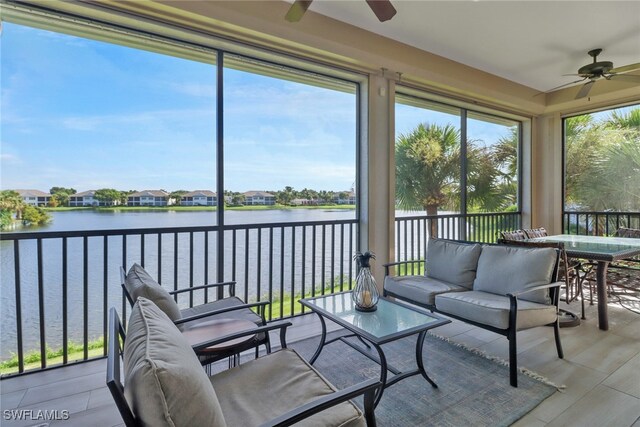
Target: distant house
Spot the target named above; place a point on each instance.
(87, 198)
(254, 198)
(149, 198)
(304, 202)
(34, 197)
(345, 199)
(199, 198)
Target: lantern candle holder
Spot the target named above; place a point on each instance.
(365, 294)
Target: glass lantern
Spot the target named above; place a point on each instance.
(365, 294)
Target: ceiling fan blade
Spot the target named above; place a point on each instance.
(297, 10)
(566, 84)
(625, 68)
(626, 78)
(383, 9)
(584, 90)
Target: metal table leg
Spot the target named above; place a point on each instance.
(601, 277)
(419, 361)
(323, 338)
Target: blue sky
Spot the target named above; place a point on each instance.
(85, 114)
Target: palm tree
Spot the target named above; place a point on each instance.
(428, 169)
(603, 162)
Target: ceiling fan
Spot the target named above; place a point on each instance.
(383, 9)
(601, 69)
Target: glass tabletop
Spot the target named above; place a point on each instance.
(608, 247)
(390, 321)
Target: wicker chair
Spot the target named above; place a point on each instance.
(633, 233)
(518, 235)
(625, 274)
(535, 232)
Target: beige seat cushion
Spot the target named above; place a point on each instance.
(245, 313)
(493, 310)
(420, 289)
(265, 388)
(452, 262)
(140, 284)
(165, 384)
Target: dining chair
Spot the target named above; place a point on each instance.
(535, 232)
(518, 235)
(625, 274)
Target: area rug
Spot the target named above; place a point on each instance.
(472, 390)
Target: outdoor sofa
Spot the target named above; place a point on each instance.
(503, 289)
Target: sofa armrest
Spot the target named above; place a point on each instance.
(536, 288)
(273, 326)
(392, 264)
(367, 388)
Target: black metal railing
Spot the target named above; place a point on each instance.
(413, 232)
(57, 287)
(598, 223)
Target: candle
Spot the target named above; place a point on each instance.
(366, 299)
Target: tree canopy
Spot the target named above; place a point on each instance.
(602, 170)
(428, 171)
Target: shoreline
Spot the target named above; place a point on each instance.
(194, 208)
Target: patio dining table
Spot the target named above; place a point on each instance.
(603, 250)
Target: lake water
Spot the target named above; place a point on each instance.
(269, 251)
(283, 260)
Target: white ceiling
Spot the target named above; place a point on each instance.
(529, 42)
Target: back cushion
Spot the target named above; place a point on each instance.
(140, 284)
(506, 269)
(452, 262)
(165, 384)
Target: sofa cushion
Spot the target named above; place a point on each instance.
(165, 384)
(419, 289)
(493, 310)
(452, 262)
(288, 382)
(506, 269)
(140, 284)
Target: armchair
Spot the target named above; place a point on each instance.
(164, 384)
(138, 283)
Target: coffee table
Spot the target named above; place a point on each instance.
(391, 321)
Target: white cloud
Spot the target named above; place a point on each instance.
(10, 158)
(195, 89)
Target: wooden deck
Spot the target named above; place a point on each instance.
(601, 371)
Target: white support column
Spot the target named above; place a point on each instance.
(378, 175)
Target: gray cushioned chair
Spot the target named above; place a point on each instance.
(164, 385)
(138, 283)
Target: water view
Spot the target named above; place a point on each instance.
(266, 261)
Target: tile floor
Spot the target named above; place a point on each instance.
(601, 372)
